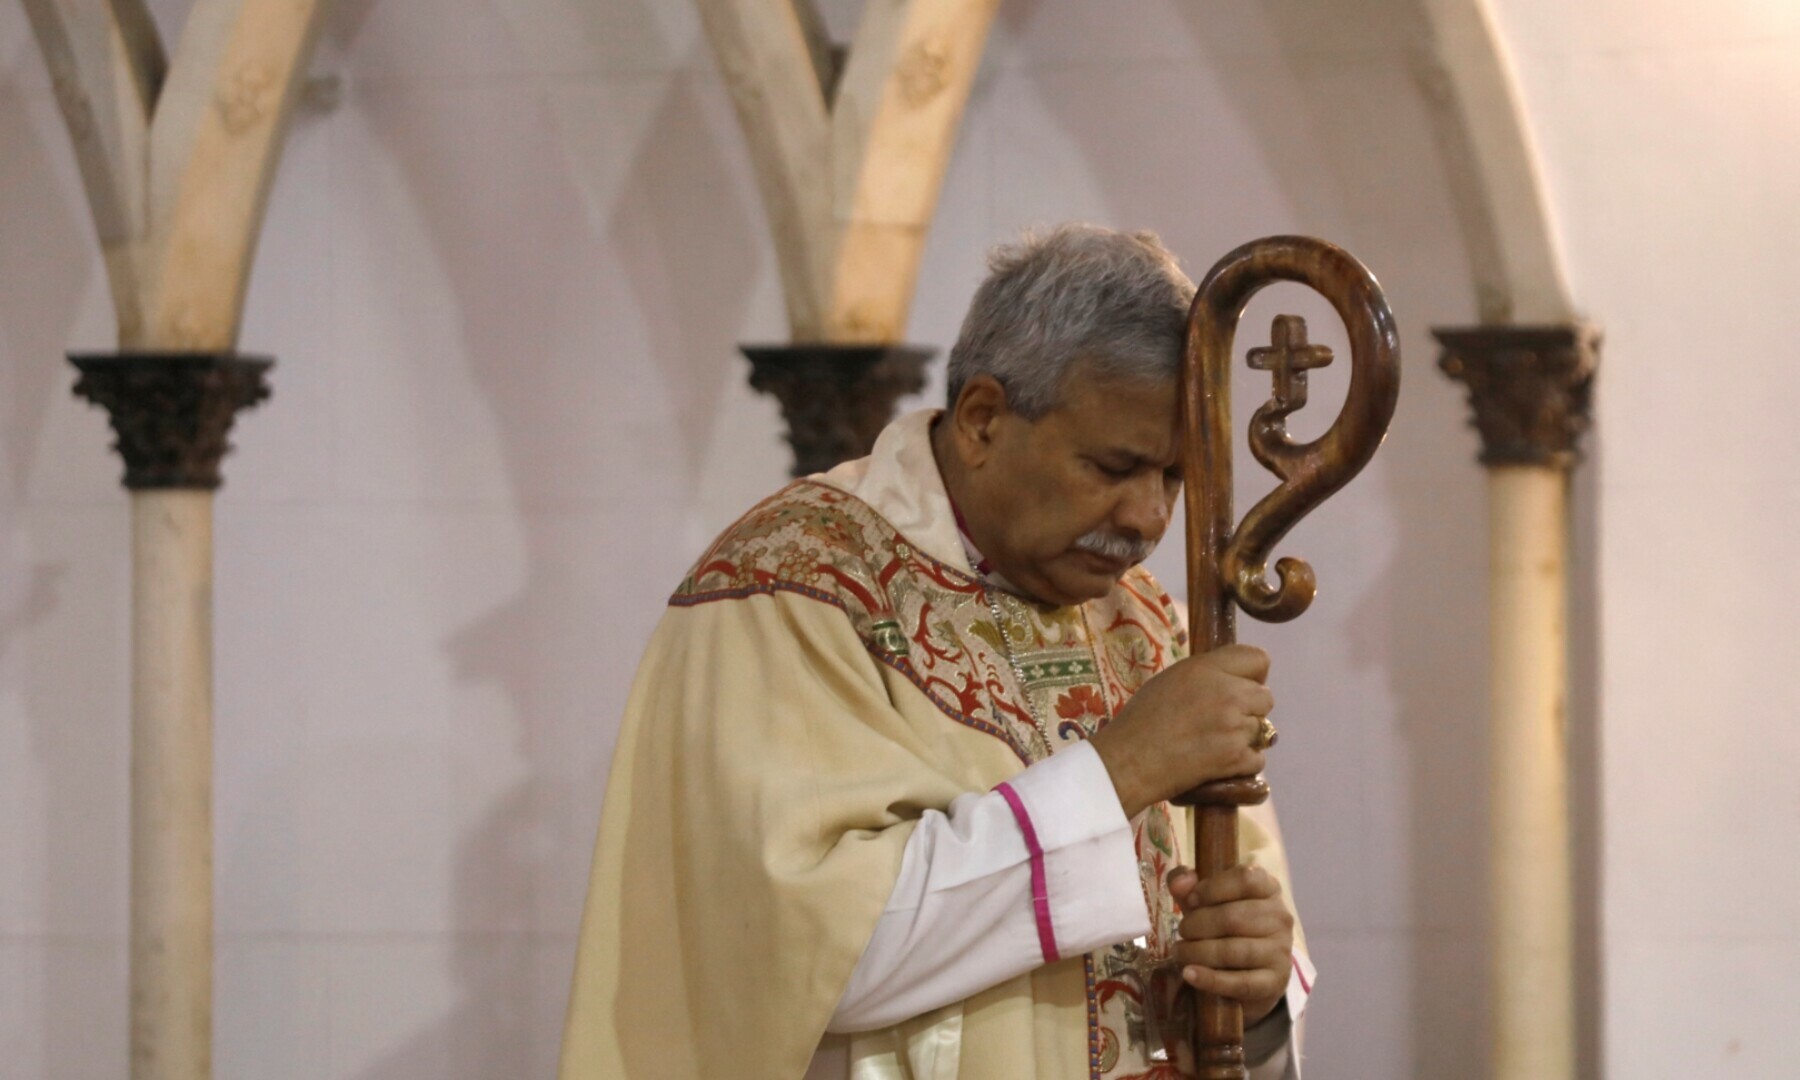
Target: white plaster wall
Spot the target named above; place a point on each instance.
(504, 280)
(1667, 133)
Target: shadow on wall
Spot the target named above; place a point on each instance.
(43, 270)
(1329, 135)
(524, 252)
(1584, 734)
(45, 267)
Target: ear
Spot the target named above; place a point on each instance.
(979, 411)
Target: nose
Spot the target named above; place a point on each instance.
(1144, 509)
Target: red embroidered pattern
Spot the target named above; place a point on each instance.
(924, 619)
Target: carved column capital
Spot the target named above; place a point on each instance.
(835, 398)
(1529, 387)
(171, 411)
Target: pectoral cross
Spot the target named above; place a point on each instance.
(1290, 358)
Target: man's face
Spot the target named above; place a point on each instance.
(1075, 498)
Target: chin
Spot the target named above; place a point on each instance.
(1086, 587)
(1070, 579)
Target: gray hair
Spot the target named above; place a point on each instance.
(1117, 302)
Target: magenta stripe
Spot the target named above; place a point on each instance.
(1305, 986)
(1040, 892)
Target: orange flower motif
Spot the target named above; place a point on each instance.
(1079, 702)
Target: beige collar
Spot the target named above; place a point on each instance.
(900, 481)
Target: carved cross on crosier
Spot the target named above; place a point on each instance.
(1289, 357)
(176, 153)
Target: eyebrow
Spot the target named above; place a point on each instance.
(1133, 459)
(1116, 455)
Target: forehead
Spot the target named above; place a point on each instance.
(1139, 416)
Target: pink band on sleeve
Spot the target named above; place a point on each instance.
(1040, 892)
(1305, 986)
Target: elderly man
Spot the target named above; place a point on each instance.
(890, 796)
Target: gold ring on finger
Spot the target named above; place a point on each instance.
(1265, 734)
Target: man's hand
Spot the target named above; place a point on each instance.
(1191, 723)
(1237, 938)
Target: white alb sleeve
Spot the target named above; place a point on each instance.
(1040, 868)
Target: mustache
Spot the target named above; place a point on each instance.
(1110, 545)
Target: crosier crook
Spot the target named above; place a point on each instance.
(1227, 566)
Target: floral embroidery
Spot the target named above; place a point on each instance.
(1079, 702)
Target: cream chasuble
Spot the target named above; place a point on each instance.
(829, 670)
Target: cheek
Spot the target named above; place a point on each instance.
(1071, 508)
(1033, 513)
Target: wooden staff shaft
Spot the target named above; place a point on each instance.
(1219, 1022)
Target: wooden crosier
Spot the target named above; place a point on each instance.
(1227, 560)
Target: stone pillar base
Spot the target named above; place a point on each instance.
(172, 410)
(835, 398)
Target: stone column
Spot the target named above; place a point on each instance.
(850, 144)
(835, 398)
(171, 413)
(1529, 387)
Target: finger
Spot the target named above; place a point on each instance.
(1236, 954)
(1243, 918)
(1244, 661)
(1239, 883)
(1249, 762)
(1256, 700)
(1182, 881)
(1237, 985)
(1232, 720)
